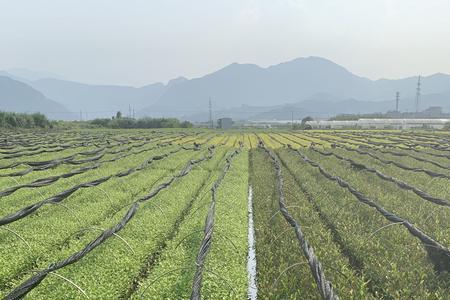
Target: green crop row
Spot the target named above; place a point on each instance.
(51, 229)
(106, 272)
(362, 253)
(394, 261)
(431, 218)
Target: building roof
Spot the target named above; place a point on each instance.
(403, 121)
(335, 123)
(380, 121)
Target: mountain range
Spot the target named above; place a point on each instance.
(306, 86)
(20, 97)
(311, 85)
(99, 101)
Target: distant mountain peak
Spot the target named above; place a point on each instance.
(309, 59)
(32, 75)
(313, 79)
(177, 80)
(238, 66)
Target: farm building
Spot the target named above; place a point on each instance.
(380, 124)
(224, 123)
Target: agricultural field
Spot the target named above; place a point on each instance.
(191, 214)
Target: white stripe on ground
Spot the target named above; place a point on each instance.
(251, 263)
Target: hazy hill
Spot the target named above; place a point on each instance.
(9, 75)
(290, 82)
(323, 106)
(309, 86)
(326, 106)
(247, 84)
(16, 96)
(177, 80)
(99, 100)
(30, 75)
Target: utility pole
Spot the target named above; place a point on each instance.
(134, 115)
(397, 99)
(129, 110)
(418, 95)
(81, 115)
(292, 119)
(211, 124)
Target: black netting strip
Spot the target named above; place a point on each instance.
(438, 254)
(24, 288)
(22, 213)
(324, 286)
(401, 184)
(205, 245)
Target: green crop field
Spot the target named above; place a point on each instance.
(191, 214)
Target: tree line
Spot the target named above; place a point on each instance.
(120, 122)
(22, 120)
(38, 120)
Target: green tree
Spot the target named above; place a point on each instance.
(306, 119)
(302, 125)
(20, 120)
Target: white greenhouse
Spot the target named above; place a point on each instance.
(380, 124)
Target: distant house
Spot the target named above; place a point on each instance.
(224, 123)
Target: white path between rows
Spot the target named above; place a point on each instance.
(251, 262)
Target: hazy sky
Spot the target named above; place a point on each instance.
(136, 42)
